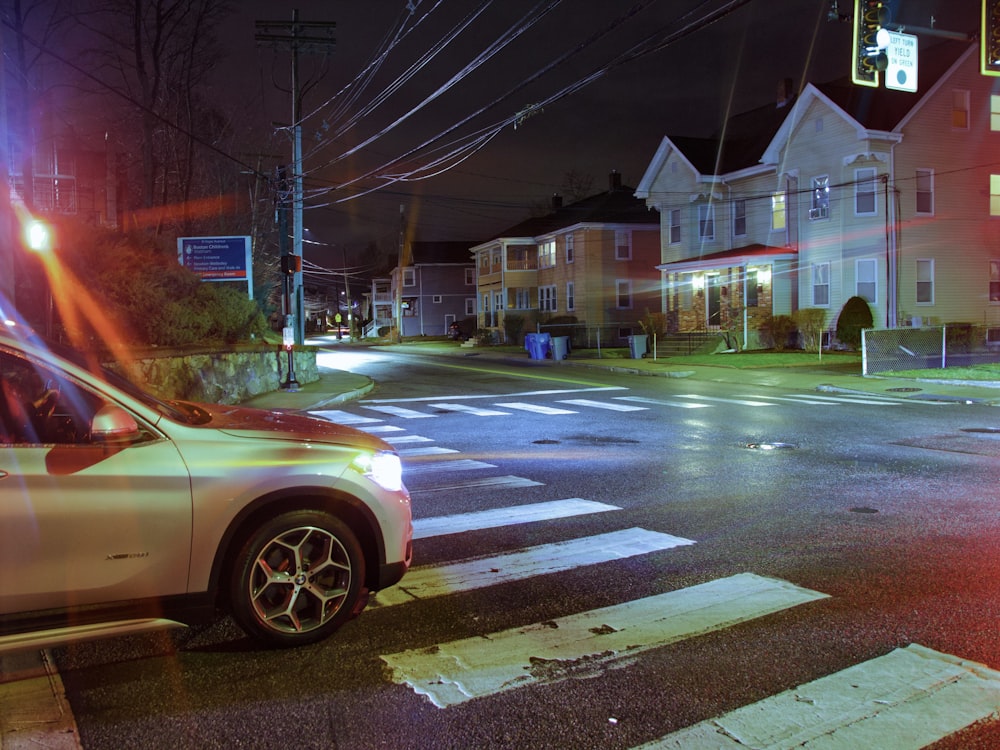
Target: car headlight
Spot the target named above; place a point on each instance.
(383, 468)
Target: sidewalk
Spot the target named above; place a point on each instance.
(34, 712)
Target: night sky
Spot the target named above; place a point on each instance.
(657, 68)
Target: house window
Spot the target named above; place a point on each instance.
(436, 299)
(706, 222)
(925, 191)
(484, 263)
(995, 195)
(777, 211)
(995, 281)
(960, 109)
(410, 307)
(864, 192)
(522, 298)
(925, 282)
(623, 289)
(866, 280)
(752, 300)
(498, 300)
(54, 182)
(821, 284)
(674, 234)
(547, 298)
(409, 277)
(470, 305)
(994, 112)
(570, 296)
(819, 202)
(569, 248)
(623, 244)
(547, 254)
(739, 217)
(470, 276)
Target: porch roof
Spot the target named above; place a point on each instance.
(741, 256)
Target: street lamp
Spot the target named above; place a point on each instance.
(39, 238)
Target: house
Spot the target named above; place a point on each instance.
(434, 289)
(590, 264)
(840, 191)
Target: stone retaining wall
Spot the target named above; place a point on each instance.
(215, 377)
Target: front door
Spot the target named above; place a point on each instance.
(714, 302)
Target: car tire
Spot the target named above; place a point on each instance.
(297, 578)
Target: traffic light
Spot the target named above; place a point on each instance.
(990, 39)
(291, 264)
(868, 52)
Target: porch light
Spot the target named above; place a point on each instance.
(698, 282)
(764, 275)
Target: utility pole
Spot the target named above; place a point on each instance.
(347, 293)
(297, 36)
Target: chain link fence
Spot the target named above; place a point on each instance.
(928, 348)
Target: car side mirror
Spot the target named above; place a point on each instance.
(112, 423)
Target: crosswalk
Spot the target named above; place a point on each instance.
(906, 698)
(370, 412)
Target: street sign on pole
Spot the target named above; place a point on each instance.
(901, 73)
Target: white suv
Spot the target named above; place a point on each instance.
(120, 512)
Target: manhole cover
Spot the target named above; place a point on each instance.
(769, 446)
(904, 389)
(545, 442)
(863, 510)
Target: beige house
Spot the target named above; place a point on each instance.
(589, 265)
(840, 191)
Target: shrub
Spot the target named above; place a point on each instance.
(811, 321)
(855, 315)
(513, 325)
(781, 327)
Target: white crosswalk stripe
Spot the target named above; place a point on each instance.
(405, 439)
(742, 402)
(343, 417)
(430, 450)
(493, 518)
(913, 695)
(429, 582)
(537, 408)
(661, 402)
(380, 429)
(813, 398)
(475, 411)
(603, 405)
(509, 482)
(584, 644)
(462, 464)
(399, 411)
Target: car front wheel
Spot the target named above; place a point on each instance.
(297, 578)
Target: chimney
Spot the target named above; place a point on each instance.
(556, 201)
(614, 181)
(785, 92)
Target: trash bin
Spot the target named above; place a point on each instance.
(560, 347)
(637, 345)
(537, 345)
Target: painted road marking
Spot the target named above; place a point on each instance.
(603, 405)
(473, 410)
(491, 519)
(467, 575)
(465, 397)
(873, 400)
(430, 450)
(403, 439)
(382, 428)
(399, 411)
(537, 408)
(790, 399)
(343, 417)
(725, 400)
(909, 698)
(588, 643)
(509, 481)
(659, 402)
(462, 464)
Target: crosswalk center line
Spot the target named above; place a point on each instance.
(907, 699)
(475, 573)
(588, 643)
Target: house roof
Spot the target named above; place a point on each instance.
(441, 252)
(618, 205)
(740, 256)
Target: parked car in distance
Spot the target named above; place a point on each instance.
(121, 512)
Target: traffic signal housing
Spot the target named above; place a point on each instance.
(291, 264)
(868, 53)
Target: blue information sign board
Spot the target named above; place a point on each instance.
(217, 258)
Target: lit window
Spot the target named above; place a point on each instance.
(777, 211)
(864, 192)
(925, 191)
(821, 284)
(994, 112)
(960, 109)
(995, 195)
(925, 282)
(547, 254)
(866, 285)
(819, 205)
(995, 281)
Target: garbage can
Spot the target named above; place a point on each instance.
(637, 345)
(560, 347)
(537, 345)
